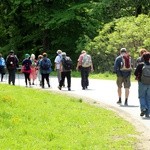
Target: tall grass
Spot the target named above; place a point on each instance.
(33, 119)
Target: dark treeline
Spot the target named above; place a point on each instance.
(37, 26)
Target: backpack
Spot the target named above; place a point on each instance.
(27, 66)
(45, 64)
(67, 63)
(11, 62)
(126, 63)
(145, 77)
(86, 61)
(2, 62)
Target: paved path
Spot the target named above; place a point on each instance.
(103, 92)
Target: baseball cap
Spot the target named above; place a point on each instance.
(123, 50)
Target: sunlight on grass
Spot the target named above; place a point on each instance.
(34, 119)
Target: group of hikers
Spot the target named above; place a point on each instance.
(42, 67)
(123, 68)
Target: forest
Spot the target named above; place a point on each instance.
(101, 27)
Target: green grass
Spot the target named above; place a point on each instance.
(33, 119)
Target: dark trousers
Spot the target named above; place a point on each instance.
(84, 76)
(12, 76)
(45, 76)
(2, 72)
(66, 74)
(27, 78)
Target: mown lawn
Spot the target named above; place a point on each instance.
(32, 119)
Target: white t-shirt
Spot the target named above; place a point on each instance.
(58, 61)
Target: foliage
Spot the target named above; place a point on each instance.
(41, 121)
(130, 32)
(36, 26)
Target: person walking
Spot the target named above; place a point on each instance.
(45, 69)
(33, 74)
(140, 58)
(57, 62)
(26, 69)
(2, 67)
(123, 76)
(12, 65)
(85, 65)
(142, 73)
(40, 57)
(65, 68)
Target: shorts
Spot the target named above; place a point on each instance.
(123, 80)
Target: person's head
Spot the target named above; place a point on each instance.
(83, 52)
(32, 56)
(146, 57)
(123, 50)
(59, 51)
(63, 54)
(44, 54)
(11, 52)
(27, 56)
(142, 50)
(40, 56)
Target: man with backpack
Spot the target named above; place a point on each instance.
(12, 65)
(45, 69)
(142, 74)
(85, 65)
(122, 68)
(65, 67)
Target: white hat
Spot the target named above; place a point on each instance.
(59, 51)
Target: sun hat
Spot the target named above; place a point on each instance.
(59, 51)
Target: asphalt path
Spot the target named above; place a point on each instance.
(103, 93)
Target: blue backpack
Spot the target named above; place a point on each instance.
(46, 64)
(2, 62)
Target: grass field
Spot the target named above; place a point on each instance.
(32, 119)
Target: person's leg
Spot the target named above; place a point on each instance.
(13, 76)
(127, 84)
(119, 90)
(83, 78)
(9, 76)
(43, 80)
(25, 75)
(68, 75)
(58, 75)
(47, 79)
(87, 77)
(147, 114)
(142, 98)
(62, 80)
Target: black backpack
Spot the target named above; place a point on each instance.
(11, 62)
(67, 63)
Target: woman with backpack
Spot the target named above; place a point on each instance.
(142, 74)
(26, 69)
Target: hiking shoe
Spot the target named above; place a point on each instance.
(143, 112)
(126, 103)
(69, 89)
(59, 87)
(119, 102)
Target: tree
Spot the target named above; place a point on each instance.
(130, 32)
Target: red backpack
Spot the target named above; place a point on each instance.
(126, 63)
